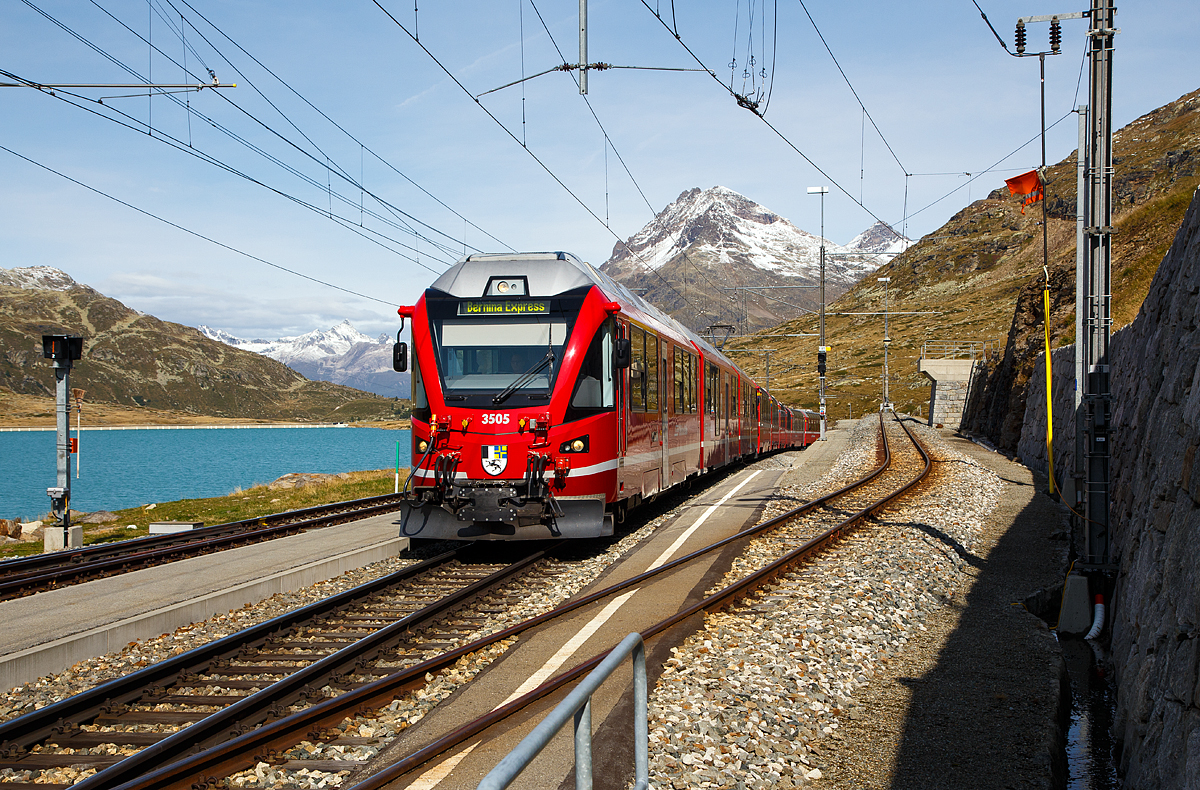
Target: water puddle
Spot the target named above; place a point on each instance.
(1089, 739)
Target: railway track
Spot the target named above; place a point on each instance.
(208, 752)
(29, 575)
(291, 662)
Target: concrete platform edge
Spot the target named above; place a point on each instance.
(56, 656)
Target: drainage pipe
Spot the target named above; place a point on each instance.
(1098, 620)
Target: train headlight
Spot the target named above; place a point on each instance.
(502, 287)
(579, 445)
(422, 446)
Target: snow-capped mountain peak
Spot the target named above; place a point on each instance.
(310, 347)
(46, 278)
(721, 222)
(879, 238)
(341, 354)
(708, 245)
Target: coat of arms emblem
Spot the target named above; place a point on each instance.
(495, 458)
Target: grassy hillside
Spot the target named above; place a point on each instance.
(979, 278)
(137, 361)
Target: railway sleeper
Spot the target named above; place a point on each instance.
(40, 762)
(85, 740)
(152, 717)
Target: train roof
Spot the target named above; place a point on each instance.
(552, 273)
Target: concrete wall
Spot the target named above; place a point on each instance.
(1155, 478)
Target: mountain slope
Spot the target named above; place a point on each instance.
(135, 359)
(979, 278)
(715, 239)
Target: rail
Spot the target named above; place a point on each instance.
(578, 705)
(960, 349)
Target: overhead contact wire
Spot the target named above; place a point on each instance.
(529, 151)
(741, 102)
(191, 232)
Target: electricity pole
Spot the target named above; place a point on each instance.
(1098, 230)
(822, 350)
(887, 340)
(583, 53)
(1093, 262)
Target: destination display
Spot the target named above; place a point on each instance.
(503, 307)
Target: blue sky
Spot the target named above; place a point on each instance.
(946, 97)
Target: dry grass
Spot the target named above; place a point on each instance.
(241, 504)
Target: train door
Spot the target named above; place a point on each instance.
(729, 449)
(622, 407)
(664, 389)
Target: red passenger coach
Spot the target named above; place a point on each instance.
(548, 399)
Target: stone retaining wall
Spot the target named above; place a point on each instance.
(946, 399)
(1155, 479)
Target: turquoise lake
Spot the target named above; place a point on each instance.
(127, 468)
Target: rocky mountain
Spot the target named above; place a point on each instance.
(342, 355)
(131, 358)
(879, 239)
(708, 242)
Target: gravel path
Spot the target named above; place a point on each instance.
(797, 686)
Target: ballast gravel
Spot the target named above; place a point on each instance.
(568, 578)
(755, 699)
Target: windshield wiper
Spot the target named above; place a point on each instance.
(524, 379)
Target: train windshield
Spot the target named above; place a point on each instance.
(487, 355)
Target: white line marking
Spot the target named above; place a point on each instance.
(569, 649)
(432, 777)
(687, 533)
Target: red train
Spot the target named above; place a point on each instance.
(548, 399)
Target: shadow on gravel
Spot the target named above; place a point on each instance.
(992, 713)
(942, 537)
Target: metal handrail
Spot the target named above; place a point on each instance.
(578, 705)
(960, 349)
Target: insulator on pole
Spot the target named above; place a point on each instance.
(1055, 35)
(1020, 38)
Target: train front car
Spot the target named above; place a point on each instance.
(514, 401)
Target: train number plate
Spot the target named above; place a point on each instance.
(495, 419)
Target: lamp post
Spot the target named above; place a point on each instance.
(821, 349)
(887, 404)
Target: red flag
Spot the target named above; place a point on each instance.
(1028, 185)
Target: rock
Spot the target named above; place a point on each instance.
(32, 530)
(299, 480)
(6, 526)
(99, 517)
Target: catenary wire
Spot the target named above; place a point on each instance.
(192, 232)
(621, 159)
(134, 124)
(340, 128)
(232, 135)
(191, 150)
(744, 102)
(326, 165)
(841, 71)
(529, 151)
